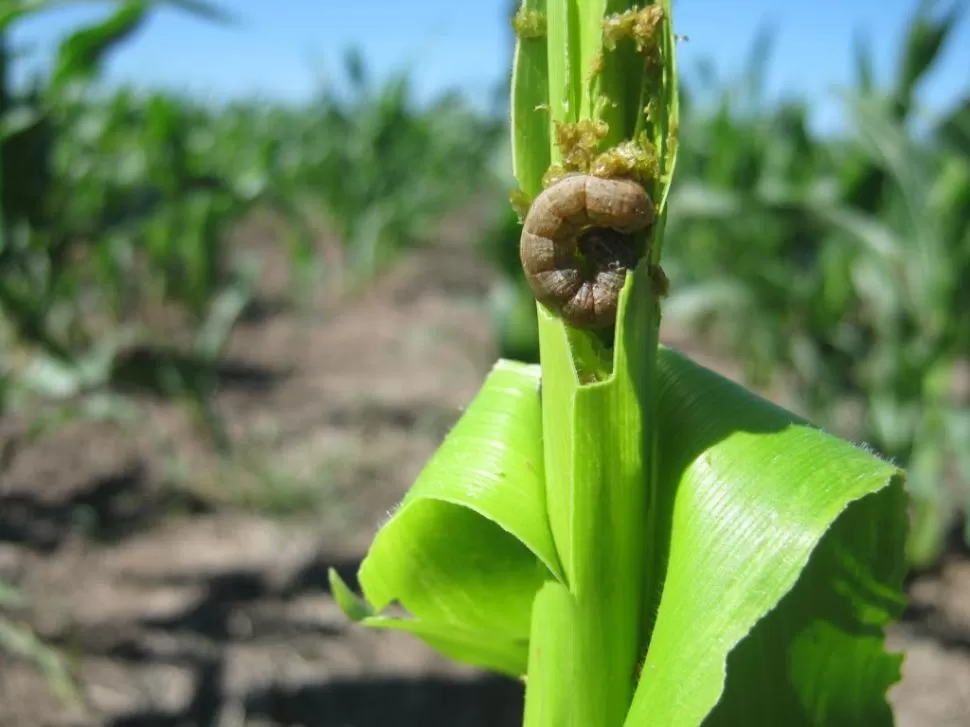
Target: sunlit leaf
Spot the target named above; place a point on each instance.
(760, 512)
(470, 544)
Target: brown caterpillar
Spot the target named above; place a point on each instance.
(575, 245)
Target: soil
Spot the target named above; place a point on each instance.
(189, 588)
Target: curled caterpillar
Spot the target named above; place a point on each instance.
(575, 245)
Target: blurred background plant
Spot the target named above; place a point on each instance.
(118, 208)
(111, 206)
(385, 169)
(841, 264)
(116, 272)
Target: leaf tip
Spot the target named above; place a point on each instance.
(354, 607)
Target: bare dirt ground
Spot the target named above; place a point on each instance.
(191, 590)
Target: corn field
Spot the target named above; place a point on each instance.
(838, 264)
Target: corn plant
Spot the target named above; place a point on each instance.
(842, 263)
(638, 539)
(117, 207)
(384, 168)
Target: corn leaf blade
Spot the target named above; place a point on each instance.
(470, 544)
(759, 512)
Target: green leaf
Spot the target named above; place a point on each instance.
(924, 43)
(530, 119)
(79, 56)
(356, 609)
(470, 544)
(17, 10)
(507, 656)
(199, 8)
(834, 668)
(954, 127)
(749, 495)
(224, 312)
(783, 566)
(205, 10)
(553, 658)
(503, 655)
(564, 98)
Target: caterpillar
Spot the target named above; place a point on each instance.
(575, 246)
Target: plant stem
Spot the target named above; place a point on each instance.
(591, 641)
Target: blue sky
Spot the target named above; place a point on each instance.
(281, 48)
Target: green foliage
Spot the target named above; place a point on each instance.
(123, 203)
(640, 528)
(642, 540)
(470, 543)
(837, 264)
(384, 168)
(109, 207)
(116, 209)
(841, 264)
